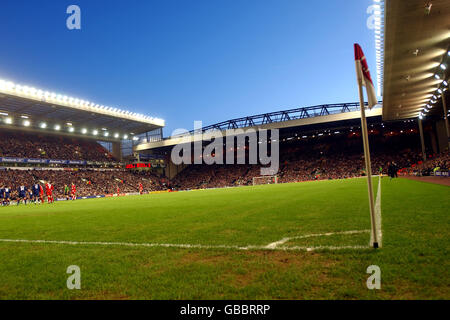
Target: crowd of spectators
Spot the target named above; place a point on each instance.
(439, 163)
(88, 182)
(330, 157)
(27, 145)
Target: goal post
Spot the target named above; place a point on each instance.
(265, 180)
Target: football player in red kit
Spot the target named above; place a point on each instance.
(49, 190)
(74, 191)
(141, 188)
(41, 194)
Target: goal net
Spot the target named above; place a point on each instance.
(265, 180)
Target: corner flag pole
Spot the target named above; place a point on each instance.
(366, 153)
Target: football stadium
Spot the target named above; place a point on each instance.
(102, 189)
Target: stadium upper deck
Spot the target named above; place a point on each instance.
(304, 116)
(29, 109)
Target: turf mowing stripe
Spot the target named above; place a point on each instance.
(275, 244)
(184, 246)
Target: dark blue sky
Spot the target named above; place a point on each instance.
(186, 60)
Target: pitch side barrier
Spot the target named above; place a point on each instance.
(51, 161)
(60, 169)
(442, 173)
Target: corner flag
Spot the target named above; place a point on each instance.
(364, 77)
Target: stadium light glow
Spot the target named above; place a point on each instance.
(116, 135)
(125, 136)
(11, 88)
(378, 14)
(106, 134)
(71, 129)
(95, 132)
(24, 117)
(443, 66)
(43, 125)
(57, 127)
(26, 123)
(8, 121)
(83, 131)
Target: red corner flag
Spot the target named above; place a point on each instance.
(364, 75)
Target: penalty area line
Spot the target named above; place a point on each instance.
(276, 244)
(181, 246)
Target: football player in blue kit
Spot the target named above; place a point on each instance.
(7, 194)
(2, 195)
(22, 195)
(36, 192)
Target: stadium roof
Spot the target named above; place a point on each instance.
(416, 59)
(303, 116)
(31, 107)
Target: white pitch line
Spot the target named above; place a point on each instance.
(275, 244)
(184, 246)
(378, 214)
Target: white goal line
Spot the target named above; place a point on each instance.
(269, 247)
(378, 217)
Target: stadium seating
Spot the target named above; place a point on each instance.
(330, 157)
(89, 182)
(26, 145)
(303, 160)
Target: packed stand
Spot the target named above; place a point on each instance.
(440, 162)
(304, 160)
(36, 146)
(87, 182)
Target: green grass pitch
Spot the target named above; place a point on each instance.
(228, 230)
